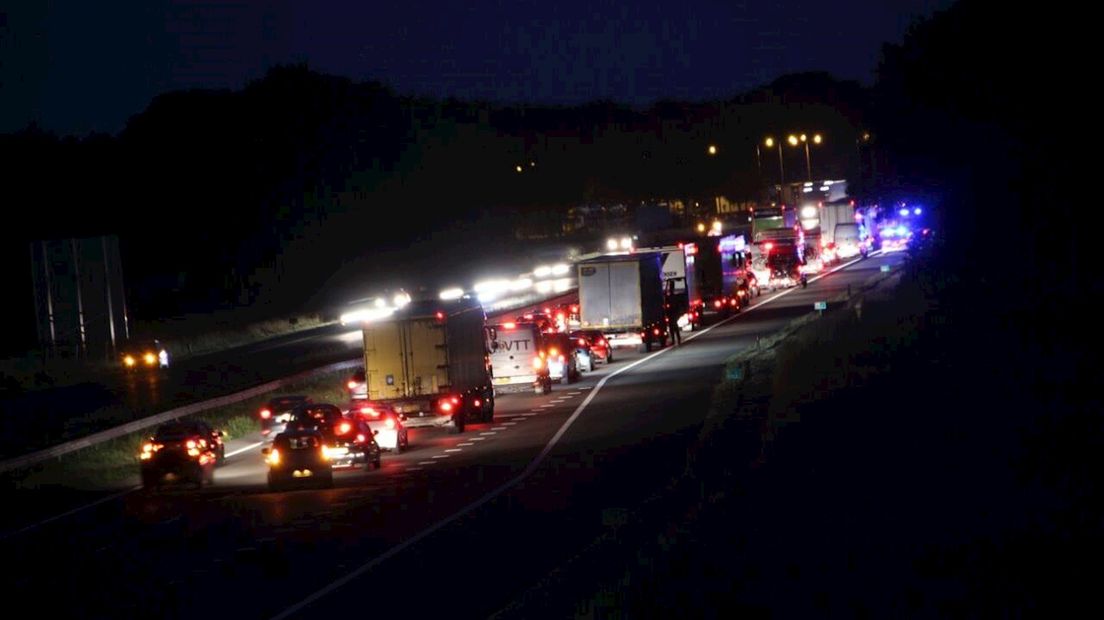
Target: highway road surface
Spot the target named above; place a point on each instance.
(458, 525)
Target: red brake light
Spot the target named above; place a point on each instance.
(265, 414)
(768, 247)
(440, 316)
(456, 400)
(352, 385)
(389, 422)
(446, 405)
(343, 428)
(656, 331)
(582, 341)
(574, 309)
(369, 412)
(476, 402)
(360, 437)
(718, 303)
(190, 444)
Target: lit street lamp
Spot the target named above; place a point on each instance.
(712, 149)
(803, 139)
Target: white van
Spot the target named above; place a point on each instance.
(515, 349)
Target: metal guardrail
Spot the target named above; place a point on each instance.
(134, 426)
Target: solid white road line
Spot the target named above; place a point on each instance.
(455, 450)
(245, 449)
(528, 471)
(466, 443)
(441, 456)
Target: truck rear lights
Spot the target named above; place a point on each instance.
(352, 385)
(343, 428)
(445, 405)
(389, 423)
(265, 414)
(537, 363)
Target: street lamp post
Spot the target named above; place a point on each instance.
(804, 139)
(770, 142)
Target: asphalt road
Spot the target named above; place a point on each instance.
(460, 524)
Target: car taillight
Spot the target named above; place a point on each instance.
(360, 437)
(389, 422)
(656, 331)
(445, 405)
(352, 385)
(273, 457)
(456, 400)
(741, 293)
(537, 362)
(602, 341)
(582, 341)
(718, 303)
(265, 414)
(732, 302)
(369, 411)
(343, 428)
(190, 444)
(476, 402)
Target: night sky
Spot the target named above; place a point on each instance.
(76, 66)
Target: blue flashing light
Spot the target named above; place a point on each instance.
(904, 212)
(916, 211)
(902, 231)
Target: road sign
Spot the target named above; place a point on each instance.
(885, 268)
(820, 305)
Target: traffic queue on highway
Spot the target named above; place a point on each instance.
(442, 363)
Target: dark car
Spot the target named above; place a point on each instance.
(180, 452)
(298, 457)
(597, 344)
(348, 440)
(275, 413)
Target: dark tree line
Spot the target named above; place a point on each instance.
(256, 196)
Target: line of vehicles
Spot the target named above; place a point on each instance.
(441, 364)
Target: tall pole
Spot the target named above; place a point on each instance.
(82, 351)
(759, 162)
(808, 166)
(781, 170)
(107, 287)
(49, 299)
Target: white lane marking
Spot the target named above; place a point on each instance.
(455, 450)
(497, 428)
(507, 415)
(441, 456)
(426, 462)
(528, 471)
(67, 513)
(478, 438)
(547, 406)
(245, 449)
(509, 423)
(465, 444)
(489, 433)
(528, 415)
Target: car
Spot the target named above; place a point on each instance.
(357, 385)
(298, 457)
(144, 354)
(720, 304)
(558, 358)
(276, 412)
(386, 424)
(179, 451)
(600, 349)
(348, 440)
